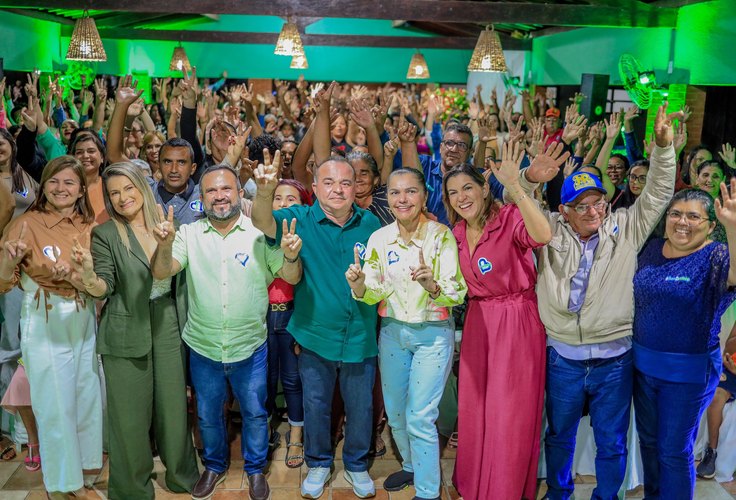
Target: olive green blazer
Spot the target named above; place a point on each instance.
(125, 325)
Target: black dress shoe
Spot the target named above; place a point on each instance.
(206, 484)
(258, 487)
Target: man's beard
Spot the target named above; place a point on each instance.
(232, 213)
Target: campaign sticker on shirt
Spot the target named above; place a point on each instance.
(484, 265)
(615, 229)
(361, 250)
(393, 257)
(23, 192)
(196, 206)
(242, 258)
(48, 251)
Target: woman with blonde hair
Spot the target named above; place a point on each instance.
(57, 325)
(139, 341)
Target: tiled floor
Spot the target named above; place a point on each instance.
(16, 483)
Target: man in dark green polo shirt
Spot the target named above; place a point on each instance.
(337, 333)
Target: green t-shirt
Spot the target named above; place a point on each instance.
(326, 318)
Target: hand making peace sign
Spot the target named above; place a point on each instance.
(165, 231)
(291, 243)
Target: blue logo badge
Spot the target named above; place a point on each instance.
(484, 265)
(678, 278)
(196, 206)
(393, 257)
(48, 251)
(615, 229)
(361, 250)
(242, 258)
(24, 192)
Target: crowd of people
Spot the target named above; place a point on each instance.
(200, 252)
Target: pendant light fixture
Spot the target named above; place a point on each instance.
(85, 44)
(299, 62)
(418, 69)
(289, 42)
(488, 54)
(179, 60)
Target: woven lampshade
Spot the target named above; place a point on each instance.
(179, 60)
(418, 69)
(488, 54)
(85, 44)
(299, 62)
(289, 42)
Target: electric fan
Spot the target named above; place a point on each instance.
(638, 82)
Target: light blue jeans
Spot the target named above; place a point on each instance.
(415, 360)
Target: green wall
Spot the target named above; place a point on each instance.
(703, 48)
(25, 42)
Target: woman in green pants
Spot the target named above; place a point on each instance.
(139, 340)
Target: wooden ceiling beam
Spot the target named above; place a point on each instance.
(467, 43)
(448, 11)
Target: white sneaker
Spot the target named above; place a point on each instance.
(314, 484)
(362, 484)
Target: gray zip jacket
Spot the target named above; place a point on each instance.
(608, 310)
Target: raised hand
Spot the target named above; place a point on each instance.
(127, 92)
(81, 262)
(355, 275)
(360, 113)
(728, 155)
(61, 270)
(32, 86)
(681, 138)
(726, 207)
(30, 117)
(507, 171)
(189, 87)
(570, 165)
(267, 173)
(407, 132)
(574, 128)
(15, 250)
(613, 126)
(291, 243)
(484, 129)
(664, 133)
(391, 148)
(423, 274)
(631, 113)
(165, 231)
(686, 113)
(545, 166)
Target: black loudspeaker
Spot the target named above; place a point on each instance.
(595, 90)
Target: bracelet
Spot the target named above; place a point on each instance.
(291, 261)
(516, 202)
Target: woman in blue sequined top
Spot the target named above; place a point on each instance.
(682, 287)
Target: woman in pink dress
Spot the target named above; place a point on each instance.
(502, 355)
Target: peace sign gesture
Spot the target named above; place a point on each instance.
(423, 274)
(165, 231)
(82, 263)
(291, 243)
(15, 250)
(267, 174)
(355, 275)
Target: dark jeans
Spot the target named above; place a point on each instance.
(247, 378)
(667, 419)
(606, 384)
(356, 386)
(284, 363)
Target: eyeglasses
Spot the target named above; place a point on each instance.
(461, 146)
(638, 178)
(583, 209)
(691, 218)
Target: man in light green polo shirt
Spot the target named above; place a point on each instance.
(228, 266)
(337, 333)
